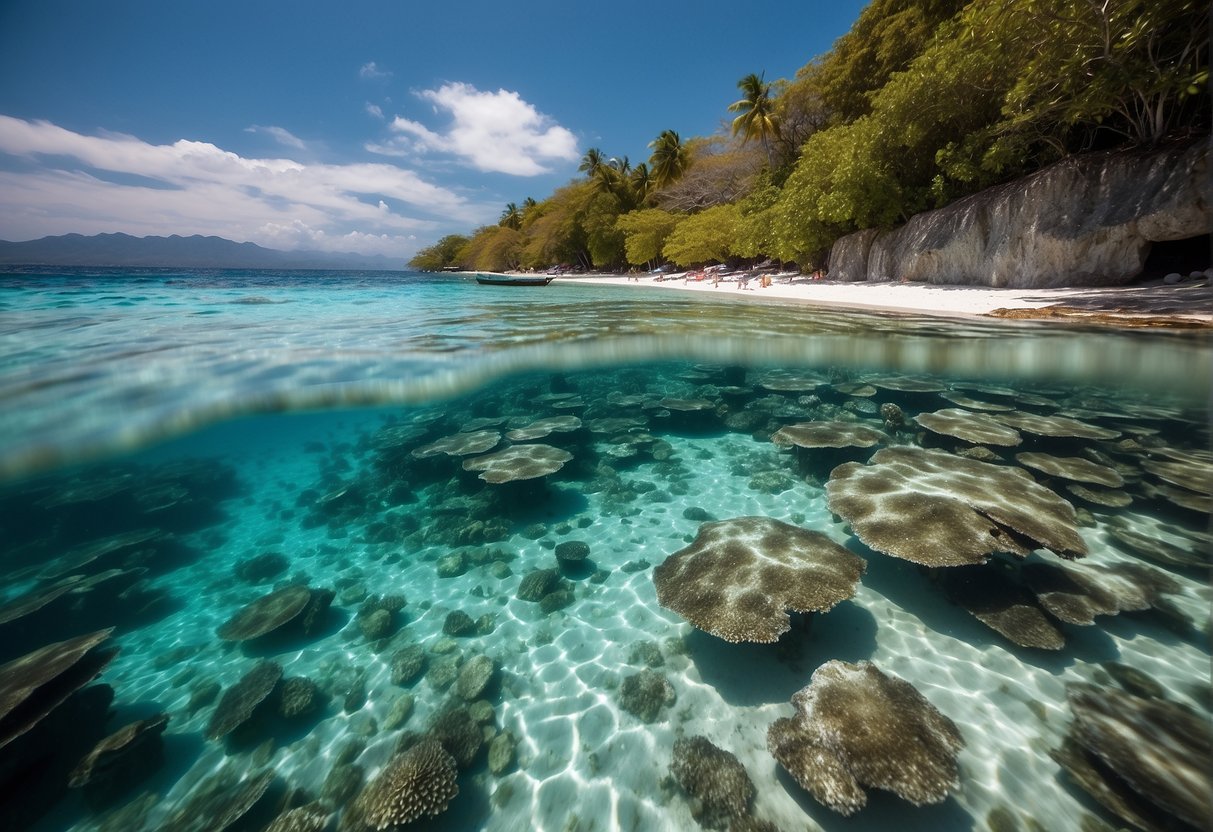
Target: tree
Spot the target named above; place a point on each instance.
(669, 160)
(885, 38)
(703, 237)
(603, 239)
(511, 217)
(845, 180)
(757, 215)
(592, 163)
(441, 254)
(493, 248)
(557, 234)
(645, 233)
(801, 111)
(641, 181)
(758, 119)
(621, 166)
(720, 172)
(1138, 69)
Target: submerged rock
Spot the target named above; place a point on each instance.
(535, 585)
(407, 664)
(502, 751)
(298, 696)
(475, 677)
(644, 694)
(459, 623)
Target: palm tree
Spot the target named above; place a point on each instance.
(592, 162)
(669, 159)
(620, 166)
(757, 108)
(511, 217)
(641, 181)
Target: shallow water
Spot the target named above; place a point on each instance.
(173, 409)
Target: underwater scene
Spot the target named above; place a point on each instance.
(366, 552)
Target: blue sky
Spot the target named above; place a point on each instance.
(357, 126)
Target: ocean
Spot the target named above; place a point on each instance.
(369, 540)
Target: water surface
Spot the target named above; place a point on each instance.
(181, 444)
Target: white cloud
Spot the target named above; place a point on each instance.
(494, 131)
(72, 182)
(279, 134)
(370, 71)
(374, 110)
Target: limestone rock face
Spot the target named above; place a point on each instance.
(1085, 221)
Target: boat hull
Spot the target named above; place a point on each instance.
(512, 280)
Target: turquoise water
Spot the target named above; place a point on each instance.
(174, 446)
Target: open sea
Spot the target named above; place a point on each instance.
(377, 543)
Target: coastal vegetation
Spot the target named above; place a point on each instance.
(921, 103)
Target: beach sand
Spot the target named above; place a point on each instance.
(1187, 304)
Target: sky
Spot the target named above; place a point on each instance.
(373, 126)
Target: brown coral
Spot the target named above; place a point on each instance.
(266, 614)
(544, 427)
(460, 444)
(1073, 468)
(976, 428)
(739, 576)
(120, 749)
(241, 699)
(1054, 426)
(1162, 751)
(35, 684)
(938, 509)
(714, 778)
(991, 596)
(828, 435)
(520, 462)
(857, 727)
(415, 784)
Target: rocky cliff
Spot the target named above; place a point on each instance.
(1085, 221)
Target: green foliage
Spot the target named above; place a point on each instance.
(757, 217)
(1135, 68)
(494, 248)
(845, 180)
(645, 233)
(604, 240)
(888, 35)
(440, 255)
(704, 237)
(670, 158)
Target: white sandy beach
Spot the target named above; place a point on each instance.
(1187, 302)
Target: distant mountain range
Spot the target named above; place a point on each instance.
(196, 252)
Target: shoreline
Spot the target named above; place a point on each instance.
(1185, 305)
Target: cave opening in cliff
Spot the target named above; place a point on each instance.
(1181, 256)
